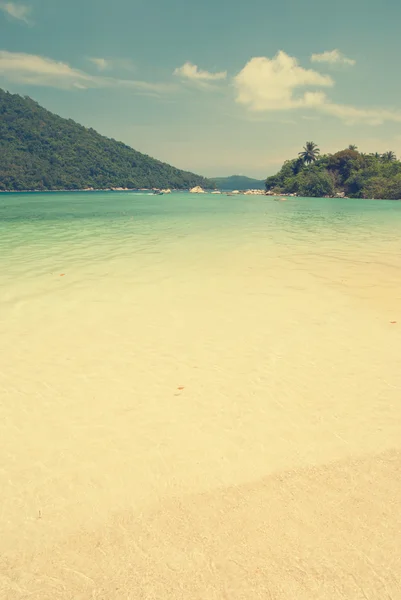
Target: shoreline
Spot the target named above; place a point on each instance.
(84, 190)
(222, 193)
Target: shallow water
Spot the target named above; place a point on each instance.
(168, 347)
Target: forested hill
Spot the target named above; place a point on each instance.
(41, 151)
(347, 172)
(239, 182)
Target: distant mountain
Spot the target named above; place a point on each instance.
(40, 150)
(239, 182)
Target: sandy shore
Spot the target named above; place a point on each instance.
(202, 425)
(328, 532)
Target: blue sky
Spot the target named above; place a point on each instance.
(217, 87)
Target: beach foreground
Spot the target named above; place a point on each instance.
(200, 401)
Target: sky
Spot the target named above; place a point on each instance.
(217, 87)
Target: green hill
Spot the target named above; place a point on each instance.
(238, 182)
(40, 150)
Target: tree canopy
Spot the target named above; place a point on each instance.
(309, 153)
(42, 151)
(347, 172)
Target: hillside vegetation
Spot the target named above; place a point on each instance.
(41, 151)
(347, 172)
(239, 182)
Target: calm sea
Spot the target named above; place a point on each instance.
(42, 234)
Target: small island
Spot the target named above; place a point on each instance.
(347, 173)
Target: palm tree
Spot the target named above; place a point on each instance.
(309, 153)
(375, 155)
(389, 156)
(353, 147)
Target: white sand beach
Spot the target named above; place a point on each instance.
(204, 423)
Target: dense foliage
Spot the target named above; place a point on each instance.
(348, 172)
(40, 150)
(238, 182)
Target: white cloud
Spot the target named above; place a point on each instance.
(272, 84)
(106, 64)
(20, 12)
(101, 63)
(333, 57)
(276, 84)
(193, 73)
(352, 114)
(39, 70)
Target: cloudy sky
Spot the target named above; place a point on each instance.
(215, 86)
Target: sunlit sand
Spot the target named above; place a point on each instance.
(216, 416)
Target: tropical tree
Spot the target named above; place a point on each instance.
(315, 184)
(309, 153)
(345, 162)
(389, 156)
(352, 147)
(375, 155)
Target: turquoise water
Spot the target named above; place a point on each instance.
(46, 232)
(64, 206)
